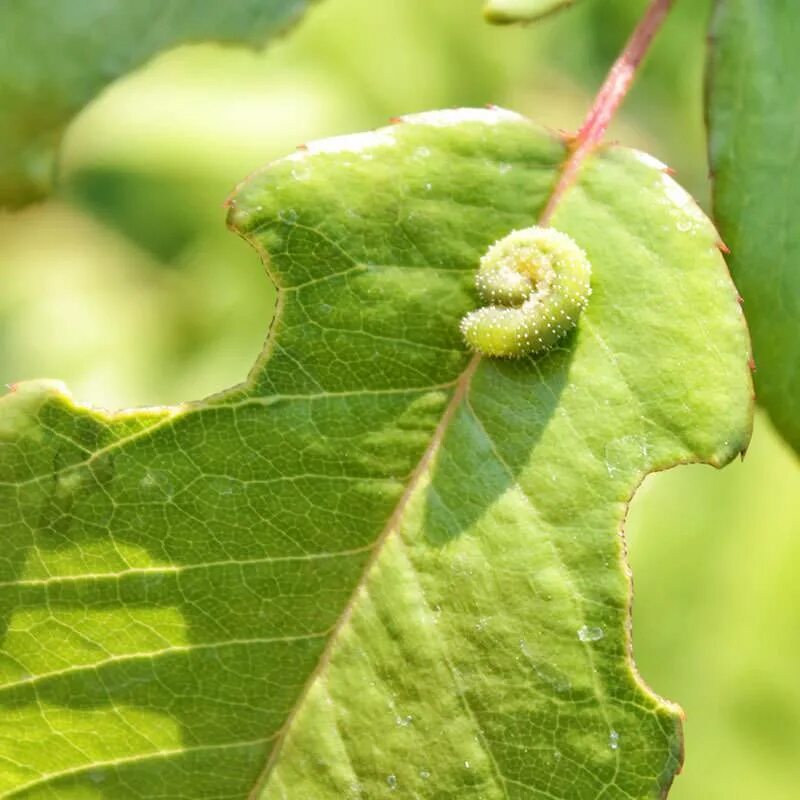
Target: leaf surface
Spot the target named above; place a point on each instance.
(380, 567)
(504, 12)
(56, 55)
(754, 145)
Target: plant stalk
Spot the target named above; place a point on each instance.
(616, 85)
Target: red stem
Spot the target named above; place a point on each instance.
(611, 94)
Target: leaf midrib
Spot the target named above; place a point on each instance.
(460, 392)
(565, 177)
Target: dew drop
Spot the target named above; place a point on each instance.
(391, 781)
(156, 480)
(613, 739)
(587, 634)
(148, 481)
(424, 774)
(222, 486)
(68, 483)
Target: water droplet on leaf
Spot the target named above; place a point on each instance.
(590, 634)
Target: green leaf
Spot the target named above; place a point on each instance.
(754, 143)
(505, 12)
(56, 55)
(380, 567)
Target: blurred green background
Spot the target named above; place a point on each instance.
(128, 286)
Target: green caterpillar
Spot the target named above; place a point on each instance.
(536, 283)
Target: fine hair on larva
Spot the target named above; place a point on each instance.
(535, 283)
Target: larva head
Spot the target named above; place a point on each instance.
(502, 285)
(536, 282)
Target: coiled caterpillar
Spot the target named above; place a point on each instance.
(536, 281)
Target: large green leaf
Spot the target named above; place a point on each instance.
(56, 55)
(754, 129)
(504, 12)
(379, 567)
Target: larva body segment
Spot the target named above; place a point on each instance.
(536, 282)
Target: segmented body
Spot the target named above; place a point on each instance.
(536, 282)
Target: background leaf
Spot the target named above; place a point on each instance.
(372, 559)
(57, 55)
(504, 12)
(754, 143)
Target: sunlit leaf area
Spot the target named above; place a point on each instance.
(127, 285)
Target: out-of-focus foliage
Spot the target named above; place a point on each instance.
(754, 147)
(152, 300)
(717, 614)
(504, 12)
(57, 55)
